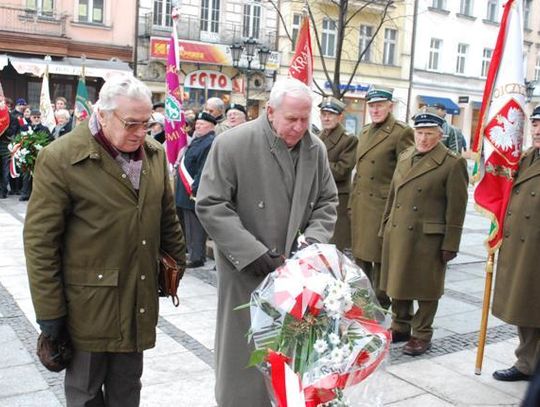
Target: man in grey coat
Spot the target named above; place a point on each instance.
(263, 183)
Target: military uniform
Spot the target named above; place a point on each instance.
(517, 283)
(379, 146)
(341, 148)
(423, 216)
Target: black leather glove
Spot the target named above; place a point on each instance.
(55, 353)
(265, 264)
(446, 255)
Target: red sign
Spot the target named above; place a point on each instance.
(195, 52)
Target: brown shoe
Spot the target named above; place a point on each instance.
(416, 347)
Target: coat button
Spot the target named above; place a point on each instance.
(527, 216)
(533, 193)
(419, 189)
(509, 213)
(398, 205)
(414, 208)
(370, 194)
(372, 161)
(143, 277)
(522, 238)
(144, 242)
(124, 176)
(507, 234)
(260, 204)
(144, 172)
(100, 276)
(142, 310)
(410, 227)
(372, 178)
(516, 191)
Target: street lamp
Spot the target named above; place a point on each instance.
(250, 46)
(529, 89)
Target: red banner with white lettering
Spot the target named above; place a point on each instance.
(301, 67)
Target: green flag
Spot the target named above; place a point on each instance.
(83, 107)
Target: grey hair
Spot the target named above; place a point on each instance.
(288, 86)
(62, 113)
(217, 103)
(122, 85)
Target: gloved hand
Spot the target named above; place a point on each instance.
(446, 255)
(265, 264)
(55, 353)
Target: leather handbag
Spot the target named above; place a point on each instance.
(169, 277)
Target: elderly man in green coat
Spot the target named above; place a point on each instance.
(379, 146)
(100, 212)
(263, 183)
(517, 284)
(421, 227)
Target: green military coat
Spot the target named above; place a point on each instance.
(253, 198)
(92, 242)
(424, 215)
(517, 284)
(376, 158)
(341, 148)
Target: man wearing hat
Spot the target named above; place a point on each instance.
(189, 175)
(236, 115)
(517, 284)
(421, 229)
(451, 135)
(157, 127)
(341, 148)
(379, 146)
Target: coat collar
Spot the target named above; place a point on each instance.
(429, 162)
(332, 138)
(528, 168)
(369, 142)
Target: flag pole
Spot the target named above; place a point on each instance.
(485, 315)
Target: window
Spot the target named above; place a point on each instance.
(486, 59)
(210, 16)
(438, 4)
(461, 57)
(162, 13)
(466, 7)
(537, 69)
(329, 37)
(434, 54)
(389, 53)
(43, 7)
(296, 21)
(366, 34)
(527, 14)
(91, 11)
(492, 10)
(252, 19)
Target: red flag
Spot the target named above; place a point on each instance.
(301, 67)
(500, 127)
(176, 138)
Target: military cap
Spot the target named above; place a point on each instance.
(332, 105)
(439, 106)
(207, 117)
(427, 117)
(236, 106)
(35, 112)
(378, 95)
(536, 113)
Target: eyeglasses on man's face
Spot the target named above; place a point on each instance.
(129, 125)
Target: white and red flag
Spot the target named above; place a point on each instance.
(301, 66)
(176, 138)
(45, 105)
(500, 125)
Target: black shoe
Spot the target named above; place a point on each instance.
(400, 336)
(510, 375)
(11, 193)
(3, 196)
(194, 264)
(24, 198)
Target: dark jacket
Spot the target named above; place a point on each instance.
(194, 160)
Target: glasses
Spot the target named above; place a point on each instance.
(133, 125)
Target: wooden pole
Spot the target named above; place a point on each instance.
(485, 315)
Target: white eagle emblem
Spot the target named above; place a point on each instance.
(508, 134)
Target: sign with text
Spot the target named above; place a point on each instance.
(206, 79)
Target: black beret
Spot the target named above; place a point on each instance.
(207, 117)
(236, 106)
(536, 113)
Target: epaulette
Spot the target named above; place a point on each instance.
(452, 153)
(407, 153)
(401, 124)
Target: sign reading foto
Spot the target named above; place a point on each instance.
(206, 79)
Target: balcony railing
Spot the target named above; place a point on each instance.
(189, 28)
(24, 20)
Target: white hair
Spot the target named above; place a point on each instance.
(122, 85)
(288, 86)
(217, 103)
(62, 113)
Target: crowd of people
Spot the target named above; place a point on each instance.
(393, 197)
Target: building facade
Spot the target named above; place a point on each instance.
(452, 51)
(386, 54)
(100, 32)
(206, 31)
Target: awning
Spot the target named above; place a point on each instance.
(451, 107)
(70, 66)
(3, 61)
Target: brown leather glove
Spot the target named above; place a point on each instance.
(446, 255)
(54, 354)
(265, 264)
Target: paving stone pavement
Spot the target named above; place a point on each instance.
(179, 370)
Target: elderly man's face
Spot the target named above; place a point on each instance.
(329, 120)
(126, 126)
(426, 138)
(202, 128)
(379, 111)
(35, 119)
(535, 131)
(235, 117)
(291, 118)
(212, 109)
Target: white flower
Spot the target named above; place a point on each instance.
(332, 304)
(320, 346)
(334, 339)
(346, 350)
(10, 146)
(24, 151)
(38, 147)
(336, 355)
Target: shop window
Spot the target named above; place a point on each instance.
(91, 11)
